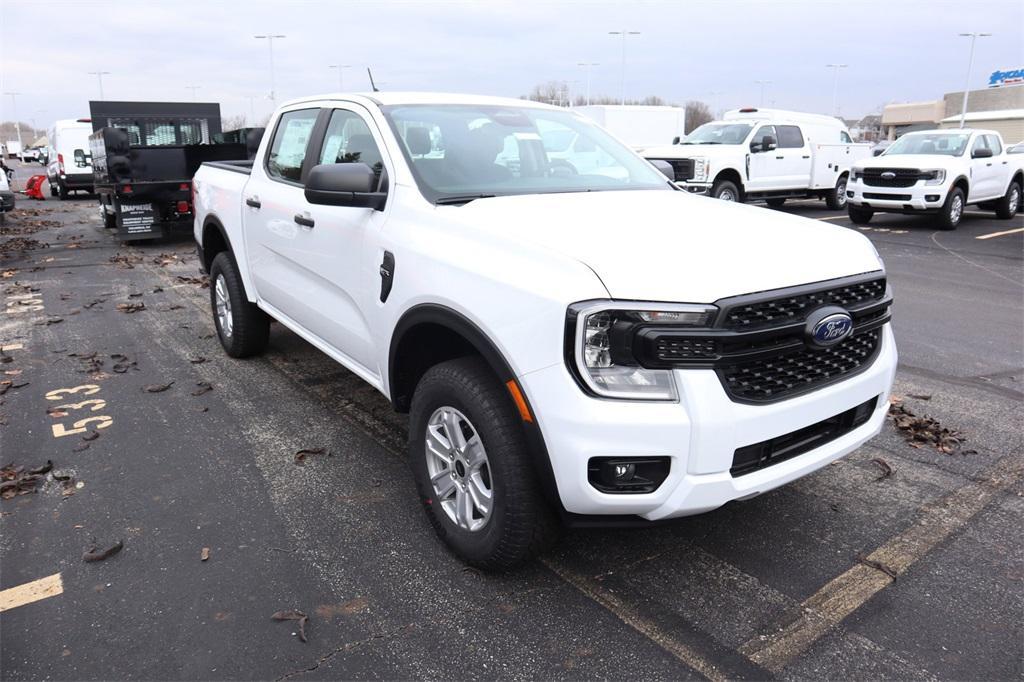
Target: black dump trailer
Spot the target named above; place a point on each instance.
(144, 155)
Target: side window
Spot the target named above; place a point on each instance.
(843, 137)
(790, 137)
(763, 132)
(348, 140)
(993, 144)
(288, 148)
(979, 143)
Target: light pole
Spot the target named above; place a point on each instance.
(835, 86)
(762, 84)
(970, 64)
(99, 77)
(193, 88)
(624, 33)
(270, 46)
(588, 66)
(340, 68)
(14, 113)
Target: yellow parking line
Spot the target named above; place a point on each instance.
(10, 346)
(13, 597)
(999, 234)
(846, 593)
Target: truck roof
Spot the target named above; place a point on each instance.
(390, 98)
(759, 113)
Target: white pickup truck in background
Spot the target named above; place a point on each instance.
(765, 155)
(569, 343)
(939, 172)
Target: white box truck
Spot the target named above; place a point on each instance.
(638, 126)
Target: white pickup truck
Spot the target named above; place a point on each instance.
(938, 172)
(570, 346)
(765, 155)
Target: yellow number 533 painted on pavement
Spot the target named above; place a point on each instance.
(93, 405)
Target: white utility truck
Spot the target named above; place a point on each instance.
(765, 154)
(569, 345)
(70, 165)
(938, 172)
(638, 126)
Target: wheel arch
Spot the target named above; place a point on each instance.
(733, 176)
(215, 239)
(963, 184)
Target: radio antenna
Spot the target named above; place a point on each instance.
(373, 86)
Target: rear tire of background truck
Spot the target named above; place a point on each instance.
(953, 210)
(836, 199)
(1008, 205)
(62, 191)
(472, 467)
(242, 327)
(726, 191)
(53, 190)
(858, 215)
(775, 203)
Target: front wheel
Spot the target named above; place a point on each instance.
(859, 215)
(242, 327)
(1010, 203)
(726, 191)
(953, 210)
(472, 467)
(836, 199)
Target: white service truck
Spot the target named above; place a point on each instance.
(938, 172)
(571, 346)
(70, 158)
(639, 126)
(765, 155)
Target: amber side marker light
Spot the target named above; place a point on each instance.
(520, 401)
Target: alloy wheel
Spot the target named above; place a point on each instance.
(458, 468)
(223, 305)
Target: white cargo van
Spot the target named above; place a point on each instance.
(765, 154)
(70, 165)
(638, 126)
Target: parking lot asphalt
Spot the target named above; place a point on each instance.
(897, 562)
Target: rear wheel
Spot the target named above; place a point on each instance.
(473, 470)
(62, 191)
(242, 327)
(1010, 203)
(836, 199)
(726, 191)
(859, 215)
(774, 203)
(953, 210)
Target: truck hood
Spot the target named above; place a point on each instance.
(689, 151)
(909, 161)
(672, 246)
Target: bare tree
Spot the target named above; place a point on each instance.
(552, 92)
(232, 122)
(697, 114)
(557, 93)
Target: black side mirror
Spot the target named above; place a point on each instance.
(877, 152)
(675, 140)
(344, 184)
(768, 143)
(665, 167)
(981, 154)
(757, 146)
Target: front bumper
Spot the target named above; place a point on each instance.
(77, 181)
(699, 434)
(919, 198)
(694, 187)
(6, 201)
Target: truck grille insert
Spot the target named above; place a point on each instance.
(891, 177)
(683, 168)
(777, 311)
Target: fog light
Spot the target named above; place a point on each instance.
(849, 194)
(627, 474)
(932, 197)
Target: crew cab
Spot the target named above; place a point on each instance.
(765, 155)
(938, 172)
(571, 346)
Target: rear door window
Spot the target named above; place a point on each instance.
(790, 137)
(288, 148)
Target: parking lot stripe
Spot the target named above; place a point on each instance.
(846, 593)
(13, 597)
(832, 217)
(999, 234)
(11, 346)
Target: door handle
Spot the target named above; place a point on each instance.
(303, 220)
(254, 202)
(780, 157)
(806, 156)
(988, 164)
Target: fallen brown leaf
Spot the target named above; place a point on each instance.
(294, 615)
(94, 554)
(300, 456)
(157, 388)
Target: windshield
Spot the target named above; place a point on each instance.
(462, 152)
(719, 133)
(947, 144)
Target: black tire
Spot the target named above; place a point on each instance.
(62, 191)
(250, 326)
(53, 189)
(1010, 203)
(836, 199)
(521, 523)
(775, 203)
(859, 215)
(953, 210)
(109, 220)
(726, 191)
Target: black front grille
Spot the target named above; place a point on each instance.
(683, 168)
(772, 312)
(671, 349)
(887, 197)
(801, 370)
(900, 177)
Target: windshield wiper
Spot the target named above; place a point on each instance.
(461, 199)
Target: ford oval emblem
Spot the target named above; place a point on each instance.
(888, 175)
(832, 329)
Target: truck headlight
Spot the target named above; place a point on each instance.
(599, 347)
(936, 176)
(700, 169)
(856, 173)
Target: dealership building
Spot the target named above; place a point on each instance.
(999, 107)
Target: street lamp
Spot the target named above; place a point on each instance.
(193, 88)
(762, 84)
(835, 86)
(588, 66)
(99, 77)
(340, 68)
(970, 64)
(623, 33)
(14, 112)
(270, 46)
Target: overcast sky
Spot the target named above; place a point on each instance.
(897, 50)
